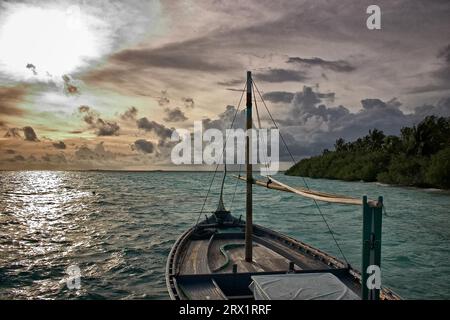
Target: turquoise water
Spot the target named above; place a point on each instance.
(118, 228)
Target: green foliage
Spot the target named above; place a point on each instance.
(419, 157)
(438, 172)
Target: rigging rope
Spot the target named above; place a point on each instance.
(266, 164)
(223, 150)
(304, 181)
(235, 187)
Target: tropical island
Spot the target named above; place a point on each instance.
(419, 156)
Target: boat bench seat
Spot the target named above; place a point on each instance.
(201, 289)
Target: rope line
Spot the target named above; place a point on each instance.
(266, 164)
(223, 150)
(304, 181)
(235, 188)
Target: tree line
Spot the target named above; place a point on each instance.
(419, 156)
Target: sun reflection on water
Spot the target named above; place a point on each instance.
(40, 217)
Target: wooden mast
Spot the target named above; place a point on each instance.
(249, 209)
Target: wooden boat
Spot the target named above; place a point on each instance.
(224, 257)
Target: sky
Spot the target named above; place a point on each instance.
(103, 84)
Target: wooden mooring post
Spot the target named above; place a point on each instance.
(371, 248)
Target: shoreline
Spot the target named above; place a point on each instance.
(381, 184)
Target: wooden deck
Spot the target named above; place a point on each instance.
(195, 260)
(264, 259)
(204, 256)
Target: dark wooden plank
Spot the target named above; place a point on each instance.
(196, 258)
(201, 289)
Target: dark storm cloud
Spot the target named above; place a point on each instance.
(230, 83)
(338, 65)
(10, 97)
(440, 76)
(180, 55)
(143, 146)
(174, 115)
(286, 97)
(225, 119)
(316, 27)
(278, 96)
(327, 96)
(59, 145)
(29, 134)
(444, 72)
(312, 126)
(445, 54)
(235, 90)
(281, 75)
(102, 127)
(107, 128)
(130, 114)
(442, 108)
(152, 126)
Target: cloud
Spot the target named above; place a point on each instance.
(19, 158)
(106, 128)
(57, 158)
(286, 97)
(163, 99)
(311, 126)
(179, 55)
(71, 86)
(32, 67)
(99, 152)
(10, 98)
(130, 114)
(440, 77)
(157, 128)
(338, 65)
(278, 96)
(174, 115)
(102, 127)
(59, 145)
(143, 146)
(281, 75)
(233, 82)
(160, 130)
(30, 135)
(442, 108)
(444, 53)
(225, 119)
(188, 102)
(13, 133)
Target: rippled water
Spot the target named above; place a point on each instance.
(118, 228)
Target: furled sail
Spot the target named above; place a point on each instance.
(307, 193)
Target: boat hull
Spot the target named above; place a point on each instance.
(207, 262)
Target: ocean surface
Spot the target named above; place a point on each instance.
(118, 228)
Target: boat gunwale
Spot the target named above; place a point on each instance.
(288, 241)
(171, 263)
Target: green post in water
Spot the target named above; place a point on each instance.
(371, 251)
